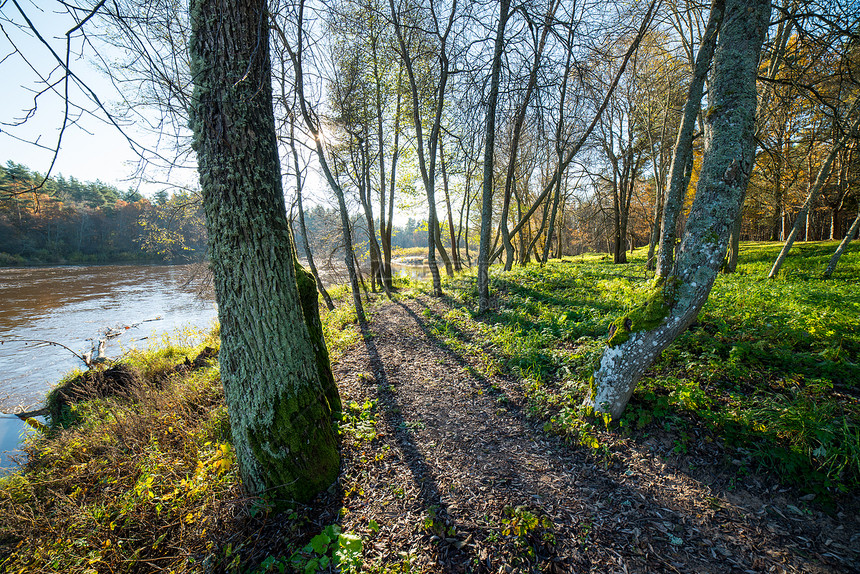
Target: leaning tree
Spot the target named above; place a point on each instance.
(638, 338)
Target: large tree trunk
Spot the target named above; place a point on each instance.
(279, 415)
(639, 338)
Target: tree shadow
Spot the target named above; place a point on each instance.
(430, 499)
(661, 532)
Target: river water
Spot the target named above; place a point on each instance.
(133, 305)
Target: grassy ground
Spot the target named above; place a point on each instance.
(145, 480)
(771, 366)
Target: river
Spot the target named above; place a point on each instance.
(74, 305)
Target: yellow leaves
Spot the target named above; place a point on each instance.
(223, 459)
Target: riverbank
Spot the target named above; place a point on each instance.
(463, 448)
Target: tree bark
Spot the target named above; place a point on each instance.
(280, 418)
(675, 301)
(783, 34)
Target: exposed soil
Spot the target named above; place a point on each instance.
(456, 455)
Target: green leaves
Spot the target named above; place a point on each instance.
(331, 547)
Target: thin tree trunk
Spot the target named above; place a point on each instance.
(517, 132)
(394, 157)
(683, 155)
(639, 338)
(455, 256)
(313, 127)
(820, 180)
(308, 254)
(489, 150)
(852, 231)
(427, 165)
(385, 263)
(646, 22)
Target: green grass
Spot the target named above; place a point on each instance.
(770, 366)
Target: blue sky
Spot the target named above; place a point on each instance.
(91, 147)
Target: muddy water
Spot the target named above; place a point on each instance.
(131, 305)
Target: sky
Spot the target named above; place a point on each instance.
(91, 147)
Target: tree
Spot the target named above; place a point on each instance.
(280, 407)
(489, 150)
(441, 34)
(638, 338)
(820, 180)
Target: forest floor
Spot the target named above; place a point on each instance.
(458, 478)
(465, 448)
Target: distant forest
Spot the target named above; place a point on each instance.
(70, 221)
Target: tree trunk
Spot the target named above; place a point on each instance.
(279, 416)
(639, 338)
(515, 140)
(304, 230)
(380, 143)
(313, 127)
(831, 267)
(489, 150)
(783, 34)
(820, 180)
(455, 255)
(571, 153)
(683, 155)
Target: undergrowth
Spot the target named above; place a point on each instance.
(143, 476)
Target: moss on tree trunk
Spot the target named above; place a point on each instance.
(277, 397)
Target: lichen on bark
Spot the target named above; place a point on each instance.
(277, 395)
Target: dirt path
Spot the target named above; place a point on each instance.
(458, 471)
